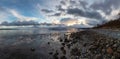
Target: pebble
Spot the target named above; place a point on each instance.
(109, 50)
(98, 56)
(101, 47)
(32, 49)
(63, 57)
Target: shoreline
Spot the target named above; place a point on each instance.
(84, 44)
(89, 45)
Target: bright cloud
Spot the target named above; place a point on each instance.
(21, 17)
(80, 12)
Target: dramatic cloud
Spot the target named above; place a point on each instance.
(89, 14)
(10, 15)
(77, 23)
(63, 2)
(57, 14)
(69, 21)
(92, 12)
(46, 10)
(106, 6)
(83, 4)
(59, 8)
(72, 2)
(4, 14)
(21, 17)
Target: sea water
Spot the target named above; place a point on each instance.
(30, 43)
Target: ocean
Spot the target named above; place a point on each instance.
(31, 42)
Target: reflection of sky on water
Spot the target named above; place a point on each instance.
(31, 38)
(28, 35)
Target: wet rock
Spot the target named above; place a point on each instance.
(103, 51)
(66, 40)
(116, 54)
(69, 45)
(63, 44)
(63, 50)
(118, 49)
(85, 44)
(98, 56)
(75, 52)
(55, 56)
(63, 57)
(113, 57)
(74, 41)
(61, 40)
(48, 42)
(32, 49)
(93, 48)
(50, 53)
(109, 50)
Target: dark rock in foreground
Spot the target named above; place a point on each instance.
(91, 45)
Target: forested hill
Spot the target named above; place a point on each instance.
(111, 24)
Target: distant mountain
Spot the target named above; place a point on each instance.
(110, 24)
(19, 23)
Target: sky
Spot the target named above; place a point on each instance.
(68, 12)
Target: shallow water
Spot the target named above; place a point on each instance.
(29, 43)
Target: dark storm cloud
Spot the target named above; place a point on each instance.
(106, 6)
(47, 10)
(65, 19)
(88, 14)
(75, 11)
(55, 14)
(59, 8)
(63, 2)
(72, 2)
(83, 4)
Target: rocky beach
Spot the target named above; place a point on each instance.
(88, 44)
(83, 44)
(59, 29)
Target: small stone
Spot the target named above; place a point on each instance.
(107, 45)
(109, 50)
(115, 45)
(75, 52)
(48, 42)
(118, 49)
(61, 40)
(32, 49)
(64, 51)
(62, 48)
(93, 47)
(55, 56)
(98, 56)
(63, 57)
(103, 50)
(63, 44)
(113, 57)
(66, 40)
(51, 53)
(116, 54)
(69, 45)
